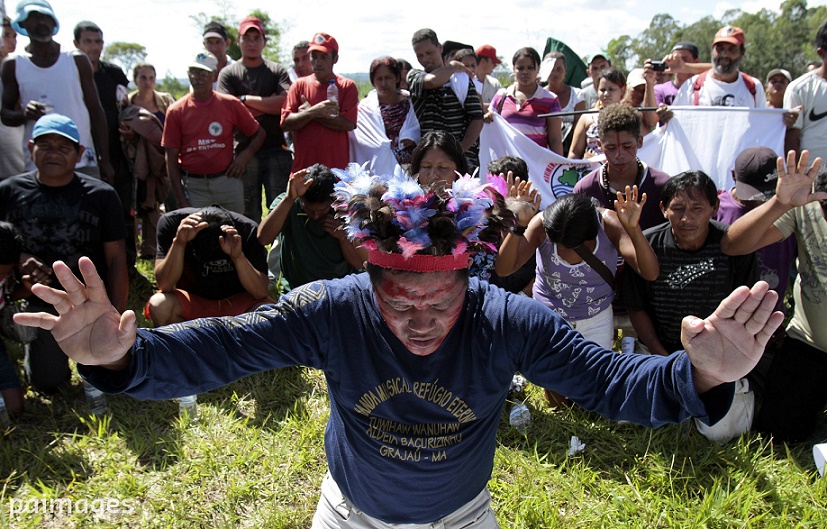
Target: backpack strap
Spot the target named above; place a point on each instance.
(749, 81)
(501, 102)
(696, 87)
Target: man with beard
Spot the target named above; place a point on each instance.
(724, 85)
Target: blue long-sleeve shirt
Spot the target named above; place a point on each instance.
(411, 438)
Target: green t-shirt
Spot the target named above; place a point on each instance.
(308, 252)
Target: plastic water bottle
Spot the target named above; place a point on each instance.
(4, 414)
(95, 399)
(48, 107)
(333, 95)
(333, 91)
(188, 407)
(520, 417)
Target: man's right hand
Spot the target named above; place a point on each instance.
(459, 67)
(33, 271)
(87, 328)
(795, 188)
(34, 110)
(189, 227)
(296, 185)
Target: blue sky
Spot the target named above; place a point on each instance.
(382, 27)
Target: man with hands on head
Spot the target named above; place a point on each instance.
(411, 321)
(209, 263)
(313, 244)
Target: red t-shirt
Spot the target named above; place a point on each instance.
(203, 131)
(315, 143)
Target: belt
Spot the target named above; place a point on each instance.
(193, 175)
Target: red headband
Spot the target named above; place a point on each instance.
(418, 262)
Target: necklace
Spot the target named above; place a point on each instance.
(611, 194)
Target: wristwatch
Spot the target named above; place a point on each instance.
(518, 230)
(243, 99)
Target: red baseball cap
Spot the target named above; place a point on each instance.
(324, 43)
(251, 23)
(486, 50)
(730, 34)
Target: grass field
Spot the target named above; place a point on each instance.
(255, 458)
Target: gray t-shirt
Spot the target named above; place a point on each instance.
(264, 80)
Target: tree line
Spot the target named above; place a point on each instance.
(773, 40)
(128, 54)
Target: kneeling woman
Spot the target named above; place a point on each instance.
(577, 247)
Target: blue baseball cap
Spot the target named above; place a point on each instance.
(33, 6)
(56, 124)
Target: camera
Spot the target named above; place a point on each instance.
(659, 66)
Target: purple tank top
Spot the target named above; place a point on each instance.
(575, 292)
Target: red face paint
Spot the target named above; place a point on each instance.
(620, 149)
(421, 309)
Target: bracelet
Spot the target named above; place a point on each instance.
(517, 230)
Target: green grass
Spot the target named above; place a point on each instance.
(255, 458)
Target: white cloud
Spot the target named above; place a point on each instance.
(371, 28)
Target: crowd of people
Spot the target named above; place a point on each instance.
(428, 339)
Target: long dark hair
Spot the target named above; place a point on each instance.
(447, 143)
(571, 220)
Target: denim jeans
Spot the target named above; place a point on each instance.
(269, 168)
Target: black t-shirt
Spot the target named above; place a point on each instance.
(690, 283)
(107, 79)
(214, 278)
(269, 78)
(64, 222)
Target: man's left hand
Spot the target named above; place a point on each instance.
(791, 116)
(726, 346)
(333, 226)
(230, 242)
(238, 165)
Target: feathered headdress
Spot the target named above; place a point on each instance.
(407, 226)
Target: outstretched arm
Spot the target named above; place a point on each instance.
(755, 230)
(726, 346)
(87, 327)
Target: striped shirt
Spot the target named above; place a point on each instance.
(439, 109)
(525, 118)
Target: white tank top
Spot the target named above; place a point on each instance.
(58, 86)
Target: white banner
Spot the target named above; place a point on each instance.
(697, 138)
(553, 175)
(709, 139)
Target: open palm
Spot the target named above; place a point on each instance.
(87, 328)
(628, 208)
(726, 346)
(795, 188)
